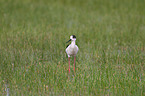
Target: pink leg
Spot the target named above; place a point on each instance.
(74, 62)
(69, 63)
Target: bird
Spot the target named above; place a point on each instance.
(72, 50)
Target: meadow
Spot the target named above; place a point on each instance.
(110, 36)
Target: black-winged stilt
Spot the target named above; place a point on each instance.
(72, 50)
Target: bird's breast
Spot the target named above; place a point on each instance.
(72, 50)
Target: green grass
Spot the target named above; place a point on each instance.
(110, 36)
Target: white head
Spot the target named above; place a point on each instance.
(72, 38)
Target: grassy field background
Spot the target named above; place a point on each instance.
(110, 35)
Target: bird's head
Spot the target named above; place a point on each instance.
(72, 38)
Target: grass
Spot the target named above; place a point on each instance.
(110, 35)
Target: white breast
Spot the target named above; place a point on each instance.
(72, 50)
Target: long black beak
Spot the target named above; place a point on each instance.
(68, 40)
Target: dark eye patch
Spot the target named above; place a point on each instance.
(74, 36)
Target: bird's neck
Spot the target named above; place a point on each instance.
(73, 43)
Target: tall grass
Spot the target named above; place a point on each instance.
(110, 35)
